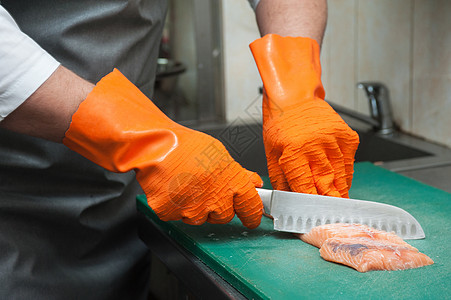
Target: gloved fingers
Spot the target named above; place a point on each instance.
(220, 216)
(349, 157)
(197, 213)
(298, 173)
(255, 179)
(324, 176)
(325, 186)
(337, 162)
(248, 206)
(223, 210)
(276, 175)
(318, 170)
(349, 148)
(200, 213)
(198, 219)
(349, 169)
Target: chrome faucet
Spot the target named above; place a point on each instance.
(380, 107)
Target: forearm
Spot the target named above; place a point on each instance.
(47, 113)
(306, 18)
(37, 95)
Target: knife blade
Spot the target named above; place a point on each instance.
(299, 213)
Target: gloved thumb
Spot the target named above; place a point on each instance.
(255, 179)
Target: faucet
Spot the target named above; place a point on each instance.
(380, 108)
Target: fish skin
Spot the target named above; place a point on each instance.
(364, 254)
(318, 235)
(364, 248)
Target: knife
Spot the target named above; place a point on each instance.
(299, 213)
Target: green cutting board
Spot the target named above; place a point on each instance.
(266, 264)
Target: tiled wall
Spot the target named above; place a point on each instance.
(405, 44)
(431, 74)
(242, 80)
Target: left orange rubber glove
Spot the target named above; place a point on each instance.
(185, 174)
(309, 148)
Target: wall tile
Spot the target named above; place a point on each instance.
(384, 52)
(432, 70)
(241, 75)
(338, 53)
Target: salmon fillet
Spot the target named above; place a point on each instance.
(318, 235)
(364, 248)
(365, 254)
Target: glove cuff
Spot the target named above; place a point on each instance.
(116, 122)
(290, 68)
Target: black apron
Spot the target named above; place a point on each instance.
(67, 226)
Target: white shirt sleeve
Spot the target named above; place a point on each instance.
(254, 3)
(24, 65)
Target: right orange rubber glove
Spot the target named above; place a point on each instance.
(309, 148)
(185, 174)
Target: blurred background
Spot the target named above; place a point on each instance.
(404, 44)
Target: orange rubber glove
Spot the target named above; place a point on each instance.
(185, 174)
(309, 148)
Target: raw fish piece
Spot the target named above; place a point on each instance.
(321, 233)
(366, 254)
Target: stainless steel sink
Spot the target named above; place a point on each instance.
(398, 152)
(377, 149)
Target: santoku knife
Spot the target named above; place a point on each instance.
(297, 212)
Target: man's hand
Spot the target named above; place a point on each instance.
(200, 182)
(185, 174)
(309, 148)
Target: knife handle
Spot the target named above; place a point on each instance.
(266, 196)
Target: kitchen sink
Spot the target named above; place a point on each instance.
(398, 152)
(377, 149)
